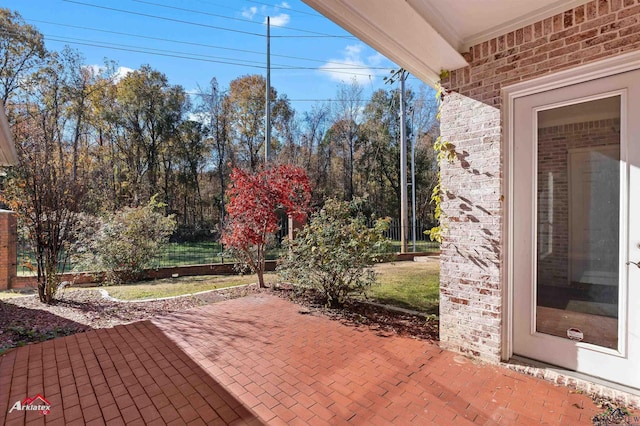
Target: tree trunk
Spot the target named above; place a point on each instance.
(260, 269)
(261, 283)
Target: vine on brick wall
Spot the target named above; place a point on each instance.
(444, 151)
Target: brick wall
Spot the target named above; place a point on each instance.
(585, 34)
(553, 148)
(8, 261)
(472, 257)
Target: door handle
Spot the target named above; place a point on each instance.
(634, 263)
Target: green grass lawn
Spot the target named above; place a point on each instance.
(10, 294)
(411, 285)
(169, 287)
(421, 246)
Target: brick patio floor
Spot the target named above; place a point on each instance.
(263, 360)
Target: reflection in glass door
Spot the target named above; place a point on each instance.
(578, 218)
(574, 225)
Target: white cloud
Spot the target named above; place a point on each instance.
(122, 72)
(200, 117)
(376, 60)
(249, 12)
(95, 69)
(352, 67)
(278, 20)
(353, 50)
(118, 75)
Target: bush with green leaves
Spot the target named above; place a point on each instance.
(334, 252)
(125, 244)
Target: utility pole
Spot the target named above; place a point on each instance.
(404, 211)
(413, 185)
(267, 120)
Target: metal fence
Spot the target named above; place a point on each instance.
(206, 252)
(394, 231)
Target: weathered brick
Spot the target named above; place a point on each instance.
(564, 34)
(568, 18)
(622, 42)
(603, 7)
(472, 260)
(564, 50)
(581, 36)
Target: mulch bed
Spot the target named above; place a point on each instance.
(359, 313)
(24, 319)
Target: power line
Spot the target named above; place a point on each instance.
(134, 50)
(164, 18)
(226, 60)
(315, 15)
(188, 43)
(183, 55)
(199, 55)
(294, 100)
(236, 19)
(181, 21)
(150, 49)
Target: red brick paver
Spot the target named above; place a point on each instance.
(261, 359)
(130, 375)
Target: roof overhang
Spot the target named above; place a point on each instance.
(8, 155)
(394, 29)
(426, 36)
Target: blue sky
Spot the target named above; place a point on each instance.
(310, 54)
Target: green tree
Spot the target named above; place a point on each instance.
(246, 102)
(189, 156)
(149, 110)
(315, 157)
(214, 109)
(22, 53)
(380, 152)
(247, 108)
(41, 188)
(335, 251)
(125, 244)
(346, 130)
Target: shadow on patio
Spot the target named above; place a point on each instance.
(263, 359)
(129, 374)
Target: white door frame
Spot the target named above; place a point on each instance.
(603, 68)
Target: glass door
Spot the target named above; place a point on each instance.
(576, 217)
(578, 221)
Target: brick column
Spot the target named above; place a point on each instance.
(8, 248)
(471, 251)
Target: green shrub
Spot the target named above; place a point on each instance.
(125, 244)
(335, 251)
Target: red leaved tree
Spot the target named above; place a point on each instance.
(252, 210)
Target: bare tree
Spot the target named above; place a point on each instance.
(41, 187)
(347, 116)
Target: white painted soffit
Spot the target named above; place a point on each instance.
(8, 155)
(465, 23)
(394, 29)
(426, 36)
